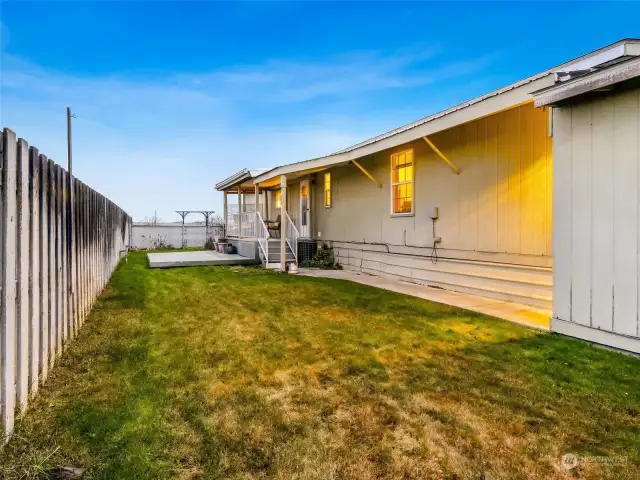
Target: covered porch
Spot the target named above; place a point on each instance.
(256, 219)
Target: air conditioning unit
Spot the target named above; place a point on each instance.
(306, 249)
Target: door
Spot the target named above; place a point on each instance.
(305, 209)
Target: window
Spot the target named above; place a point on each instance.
(327, 190)
(402, 182)
(278, 198)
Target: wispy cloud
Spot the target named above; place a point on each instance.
(301, 80)
(161, 143)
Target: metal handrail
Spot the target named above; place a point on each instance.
(263, 237)
(292, 236)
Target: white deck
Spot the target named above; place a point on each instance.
(199, 258)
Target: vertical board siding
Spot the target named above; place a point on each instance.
(596, 212)
(625, 164)
(581, 215)
(562, 163)
(60, 243)
(498, 208)
(602, 194)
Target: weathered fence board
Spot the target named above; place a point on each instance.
(23, 322)
(43, 360)
(61, 241)
(8, 311)
(34, 269)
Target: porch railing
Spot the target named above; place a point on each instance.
(263, 237)
(292, 235)
(241, 224)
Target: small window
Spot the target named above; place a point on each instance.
(327, 190)
(278, 198)
(402, 182)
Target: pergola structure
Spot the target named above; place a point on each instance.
(183, 213)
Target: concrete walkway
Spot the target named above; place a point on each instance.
(526, 315)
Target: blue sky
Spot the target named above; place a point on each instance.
(172, 97)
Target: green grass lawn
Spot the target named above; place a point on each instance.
(239, 373)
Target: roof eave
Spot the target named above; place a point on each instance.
(598, 80)
(229, 182)
(490, 103)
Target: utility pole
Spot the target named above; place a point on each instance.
(69, 162)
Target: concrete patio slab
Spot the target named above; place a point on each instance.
(199, 258)
(526, 315)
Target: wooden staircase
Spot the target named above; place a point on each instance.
(274, 255)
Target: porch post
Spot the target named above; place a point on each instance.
(239, 216)
(266, 204)
(255, 220)
(283, 223)
(225, 213)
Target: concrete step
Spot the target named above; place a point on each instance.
(275, 257)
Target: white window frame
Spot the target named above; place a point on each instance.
(412, 182)
(324, 189)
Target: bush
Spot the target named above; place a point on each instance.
(322, 259)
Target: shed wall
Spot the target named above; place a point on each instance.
(597, 206)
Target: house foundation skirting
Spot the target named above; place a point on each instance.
(519, 283)
(246, 248)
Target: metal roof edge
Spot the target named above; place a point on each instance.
(442, 113)
(599, 79)
(233, 179)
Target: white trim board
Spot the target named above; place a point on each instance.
(602, 337)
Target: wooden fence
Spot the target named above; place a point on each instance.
(60, 242)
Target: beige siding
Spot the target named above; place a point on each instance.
(293, 202)
(597, 238)
(497, 209)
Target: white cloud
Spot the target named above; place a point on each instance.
(160, 143)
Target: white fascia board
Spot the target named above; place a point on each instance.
(617, 73)
(233, 179)
(444, 120)
(628, 48)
